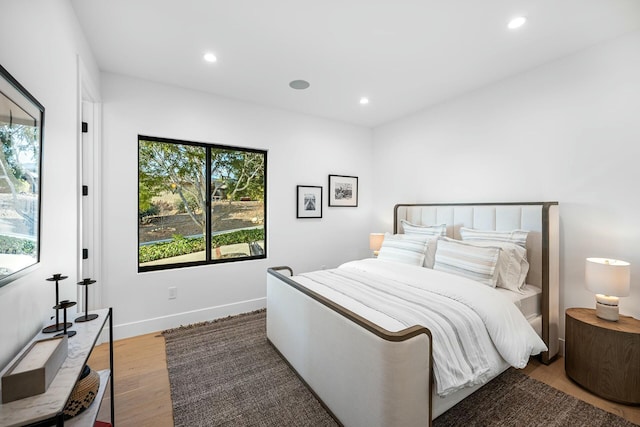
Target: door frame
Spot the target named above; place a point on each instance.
(89, 173)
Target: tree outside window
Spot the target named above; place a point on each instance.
(199, 203)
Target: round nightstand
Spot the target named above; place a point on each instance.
(603, 356)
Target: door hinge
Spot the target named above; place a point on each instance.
(85, 190)
(85, 253)
(85, 127)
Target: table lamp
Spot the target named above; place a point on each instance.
(375, 242)
(608, 279)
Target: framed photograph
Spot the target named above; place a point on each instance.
(21, 124)
(343, 190)
(309, 202)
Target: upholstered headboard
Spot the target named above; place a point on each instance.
(541, 219)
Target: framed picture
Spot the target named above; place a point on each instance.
(21, 123)
(343, 190)
(309, 202)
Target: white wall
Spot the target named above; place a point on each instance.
(39, 44)
(301, 150)
(567, 131)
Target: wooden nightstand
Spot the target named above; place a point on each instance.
(603, 356)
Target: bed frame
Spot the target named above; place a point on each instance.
(365, 375)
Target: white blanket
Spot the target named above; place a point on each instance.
(459, 312)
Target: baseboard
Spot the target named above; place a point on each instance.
(127, 330)
(561, 349)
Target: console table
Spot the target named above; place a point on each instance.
(46, 408)
(603, 356)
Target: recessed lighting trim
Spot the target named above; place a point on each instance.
(210, 57)
(299, 84)
(517, 22)
(364, 100)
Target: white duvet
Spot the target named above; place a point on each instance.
(468, 321)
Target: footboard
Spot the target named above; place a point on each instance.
(365, 375)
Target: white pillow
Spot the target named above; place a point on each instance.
(425, 230)
(518, 237)
(512, 264)
(403, 248)
(475, 262)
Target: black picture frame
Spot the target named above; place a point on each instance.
(343, 191)
(308, 201)
(21, 136)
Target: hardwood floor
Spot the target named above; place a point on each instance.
(555, 376)
(143, 398)
(142, 394)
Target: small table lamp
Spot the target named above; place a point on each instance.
(375, 242)
(608, 279)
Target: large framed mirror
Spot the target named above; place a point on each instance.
(21, 124)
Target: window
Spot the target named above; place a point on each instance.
(199, 203)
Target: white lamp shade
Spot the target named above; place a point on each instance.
(375, 241)
(608, 276)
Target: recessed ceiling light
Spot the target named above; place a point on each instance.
(517, 22)
(299, 84)
(364, 100)
(210, 57)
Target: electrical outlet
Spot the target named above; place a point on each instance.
(173, 292)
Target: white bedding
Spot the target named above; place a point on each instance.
(528, 300)
(491, 328)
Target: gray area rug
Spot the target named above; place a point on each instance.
(225, 373)
(514, 399)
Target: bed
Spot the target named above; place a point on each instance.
(370, 372)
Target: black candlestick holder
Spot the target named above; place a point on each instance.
(87, 317)
(63, 305)
(57, 327)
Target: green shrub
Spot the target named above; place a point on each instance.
(181, 245)
(14, 245)
(240, 236)
(152, 210)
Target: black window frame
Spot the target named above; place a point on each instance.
(208, 249)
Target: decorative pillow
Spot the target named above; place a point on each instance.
(403, 248)
(424, 230)
(512, 264)
(475, 262)
(518, 237)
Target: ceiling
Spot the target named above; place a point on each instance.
(404, 55)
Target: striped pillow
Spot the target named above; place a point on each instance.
(512, 264)
(475, 262)
(403, 248)
(424, 230)
(519, 237)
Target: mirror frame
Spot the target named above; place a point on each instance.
(14, 95)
